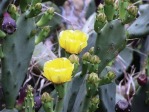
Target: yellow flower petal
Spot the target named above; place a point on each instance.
(58, 70)
(73, 41)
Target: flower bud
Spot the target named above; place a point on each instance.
(36, 1)
(92, 84)
(93, 105)
(91, 50)
(13, 11)
(111, 75)
(92, 81)
(132, 10)
(46, 98)
(12, 8)
(74, 58)
(47, 102)
(46, 17)
(101, 20)
(38, 6)
(93, 77)
(100, 8)
(95, 59)
(101, 17)
(29, 89)
(50, 10)
(8, 24)
(35, 10)
(86, 56)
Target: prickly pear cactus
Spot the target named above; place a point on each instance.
(110, 40)
(107, 50)
(29, 100)
(141, 23)
(17, 47)
(141, 99)
(92, 86)
(14, 64)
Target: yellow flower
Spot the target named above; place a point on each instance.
(73, 41)
(58, 70)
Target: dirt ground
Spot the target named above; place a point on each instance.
(74, 11)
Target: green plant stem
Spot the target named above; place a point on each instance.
(67, 54)
(61, 91)
(59, 105)
(84, 69)
(49, 105)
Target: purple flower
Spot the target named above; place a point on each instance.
(122, 106)
(8, 24)
(37, 100)
(22, 95)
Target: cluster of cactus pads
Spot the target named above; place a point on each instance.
(24, 26)
(19, 32)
